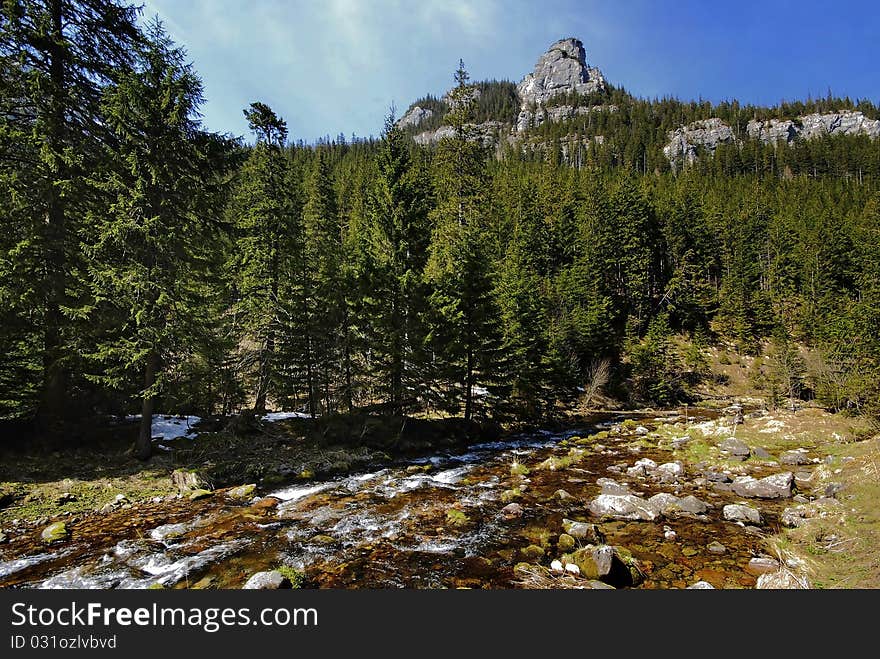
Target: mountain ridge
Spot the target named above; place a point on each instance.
(565, 89)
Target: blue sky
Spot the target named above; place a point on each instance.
(331, 66)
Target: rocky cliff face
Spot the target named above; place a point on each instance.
(685, 142)
(561, 70)
(415, 117)
(813, 126)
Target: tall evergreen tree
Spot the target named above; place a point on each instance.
(264, 209)
(399, 236)
(321, 298)
(148, 252)
(464, 328)
(65, 52)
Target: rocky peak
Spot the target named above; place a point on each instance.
(561, 70)
(415, 117)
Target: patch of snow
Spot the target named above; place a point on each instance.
(280, 416)
(480, 391)
(772, 426)
(712, 428)
(172, 427)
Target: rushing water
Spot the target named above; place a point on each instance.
(388, 528)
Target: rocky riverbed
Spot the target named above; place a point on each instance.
(654, 501)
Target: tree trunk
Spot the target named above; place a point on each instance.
(469, 387)
(145, 436)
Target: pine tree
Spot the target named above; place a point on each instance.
(321, 298)
(522, 301)
(65, 51)
(148, 252)
(264, 209)
(463, 333)
(399, 235)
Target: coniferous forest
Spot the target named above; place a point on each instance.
(519, 338)
(148, 265)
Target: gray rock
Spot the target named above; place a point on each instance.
(532, 118)
(691, 504)
(777, 486)
(701, 585)
(782, 580)
(803, 479)
(813, 126)
(772, 131)
(487, 133)
(600, 585)
(797, 457)
(735, 447)
(679, 442)
(717, 477)
(669, 471)
(761, 453)
(561, 70)
(185, 481)
(604, 558)
(716, 547)
(272, 580)
(664, 503)
(242, 492)
(415, 117)
(833, 489)
(686, 142)
(512, 511)
(583, 531)
(562, 495)
(797, 515)
(623, 506)
(611, 486)
(762, 565)
(735, 512)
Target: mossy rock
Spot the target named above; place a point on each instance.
(583, 558)
(324, 539)
(519, 469)
(200, 494)
(455, 517)
(307, 474)
(294, 576)
(510, 495)
(204, 583)
(55, 532)
(629, 424)
(156, 586)
(523, 567)
(532, 552)
(242, 492)
(506, 554)
(565, 543)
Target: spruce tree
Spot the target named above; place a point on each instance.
(148, 251)
(264, 209)
(398, 241)
(64, 51)
(463, 335)
(321, 298)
